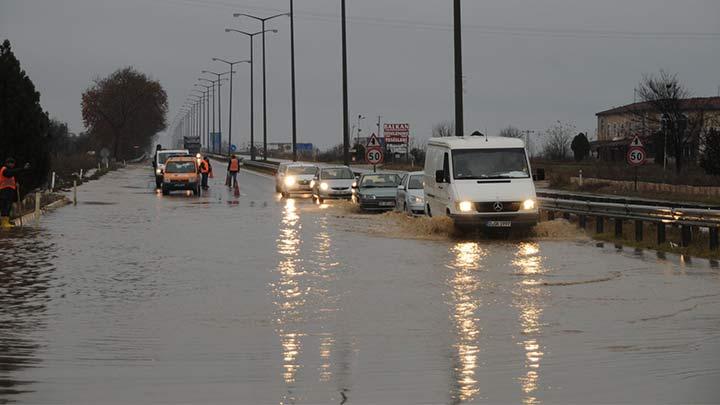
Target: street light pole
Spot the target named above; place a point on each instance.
(459, 119)
(232, 66)
(346, 120)
(251, 36)
(292, 79)
(212, 86)
(219, 75)
(263, 30)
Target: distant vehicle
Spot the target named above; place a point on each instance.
(296, 178)
(377, 191)
(161, 156)
(181, 173)
(411, 195)
(279, 176)
(333, 183)
(192, 143)
(480, 182)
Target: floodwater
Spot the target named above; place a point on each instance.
(131, 297)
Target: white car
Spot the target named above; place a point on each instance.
(480, 182)
(411, 195)
(295, 178)
(333, 183)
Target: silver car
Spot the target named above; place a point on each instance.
(296, 179)
(333, 183)
(411, 195)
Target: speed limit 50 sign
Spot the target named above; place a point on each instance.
(374, 156)
(636, 156)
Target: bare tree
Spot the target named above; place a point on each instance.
(443, 129)
(665, 96)
(557, 141)
(512, 132)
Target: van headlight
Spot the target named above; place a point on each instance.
(465, 206)
(158, 171)
(324, 186)
(290, 181)
(529, 204)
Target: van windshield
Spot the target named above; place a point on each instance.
(471, 164)
(180, 167)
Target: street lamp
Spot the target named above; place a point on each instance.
(219, 75)
(203, 115)
(262, 21)
(212, 86)
(232, 65)
(207, 110)
(252, 85)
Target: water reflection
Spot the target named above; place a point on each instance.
(289, 295)
(465, 283)
(528, 297)
(26, 274)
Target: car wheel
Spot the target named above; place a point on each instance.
(158, 183)
(321, 200)
(284, 194)
(429, 213)
(165, 190)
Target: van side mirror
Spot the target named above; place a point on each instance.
(439, 176)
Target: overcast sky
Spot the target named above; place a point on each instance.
(527, 63)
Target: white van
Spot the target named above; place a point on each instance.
(480, 181)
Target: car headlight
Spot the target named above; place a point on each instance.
(416, 200)
(290, 181)
(324, 186)
(529, 204)
(158, 171)
(465, 206)
(367, 196)
(354, 184)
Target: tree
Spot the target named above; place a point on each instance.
(557, 141)
(23, 124)
(580, 147)
(125, 110)
(710, 158)
(665, 94)
(443, 129)
(512, 132)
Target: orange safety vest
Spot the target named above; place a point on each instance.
(234, 165)
(204, 167)
(6, 182)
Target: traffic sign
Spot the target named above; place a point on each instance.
(636, 142)
(233, 148)
(636, 156)
(374, 156)
(373, 142)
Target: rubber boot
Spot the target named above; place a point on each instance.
(5, 223)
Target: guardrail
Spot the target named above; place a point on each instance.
(568, 195)
(685, 218)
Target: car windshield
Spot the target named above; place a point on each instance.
(180, 167)
(379, 180)
(337, 174)
(415, 182)
(473, 164)
(302, 170)
(164, 156)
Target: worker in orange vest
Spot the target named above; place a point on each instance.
(233, 169)
(8, 190)
(205, 170)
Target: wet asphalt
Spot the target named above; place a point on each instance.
(132, 298)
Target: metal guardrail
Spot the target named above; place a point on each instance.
(567, 195)
(686, 218)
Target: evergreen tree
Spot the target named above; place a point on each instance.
(580, 147)
(23, 124)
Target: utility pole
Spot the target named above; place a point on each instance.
(292, 79)
(459, 119)
(346, 118)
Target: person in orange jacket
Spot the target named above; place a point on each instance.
(205, 170)
(8, 190)
(233, 169)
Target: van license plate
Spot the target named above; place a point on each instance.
(498, 224)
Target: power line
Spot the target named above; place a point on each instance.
(501, 30)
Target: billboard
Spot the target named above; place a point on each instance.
(396, 133)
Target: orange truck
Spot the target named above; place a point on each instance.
(181, 173)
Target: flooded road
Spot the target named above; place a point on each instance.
(132, 297)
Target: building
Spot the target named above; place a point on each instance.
(615, 127)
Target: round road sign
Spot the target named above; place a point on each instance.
(636, 156)
(374, 156)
